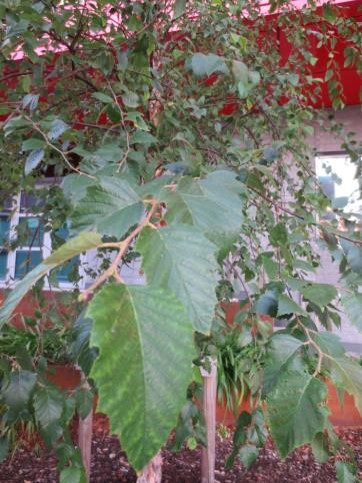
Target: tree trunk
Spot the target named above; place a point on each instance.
(152, 473)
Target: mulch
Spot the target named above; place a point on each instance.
(109, 464)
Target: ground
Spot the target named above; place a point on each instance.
(109, 465)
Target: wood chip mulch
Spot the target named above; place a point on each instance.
(109, 464)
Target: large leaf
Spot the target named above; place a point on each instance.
(17, 392)
(213, 204)
(295, 410)
(48, 405)
(287, 306)
(202, 64)
(283, 349)
(319, 293)
(352, 304)
(85, 241)
(110, 208)
(346, 374)
(181, 258)
(146, 347)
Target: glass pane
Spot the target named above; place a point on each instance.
(336, 173)
(25, 261)
(28, 202)
(3, 263)
(67, 270)
(4, 229)
(6, 202)
(30, 232)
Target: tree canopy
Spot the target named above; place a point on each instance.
(176, 133)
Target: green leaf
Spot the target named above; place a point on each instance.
(48, 405)
(352, 304)
(240, 71)
(344, 473)
(278, 235)
(111, 208)
(83, 401)
(105, 98)
(346, 374)
(81, 352)
(180, 258)
(179, 8)
(85, 241)
(287, 306)
(72, 474)
(17, 392)
(202, 65)
(270, 266)
(212, 204)
(280, 357)
(295, 410)
(33, 160)
(267, 304)
(58, 127)
(131, 99)
(248, 454)
(142, 385)
(320, 294)
(320, 448)
(32, 143)
(4, 448)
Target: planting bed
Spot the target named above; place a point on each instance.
(109, 465)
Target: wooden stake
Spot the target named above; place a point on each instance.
(152, 473)
(85, 433)
(209, 409)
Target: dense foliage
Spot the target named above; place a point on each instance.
(181, 139)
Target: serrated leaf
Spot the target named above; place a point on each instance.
(32, 143)
(179, 8)
(48, 405)
(141, 394)
(320, 294)
(278, 235)
(57, 128)
(72, 474)
(287, 306)
(105, 98)
(111, 208)
(320, 448)
(83, 401)
(204, 65)
(282, 350)
(17, 392)
(240, 71)
(295, 410)
(352, 304)
(82, 353)
(346, 374)
(33, 160)
(85, 241)
(267, 303)
(131, 99)
(30, 101)
(344, 473)
(213, 204)
(248, 454)
(143, 137)
(4, 448)
(180, 258)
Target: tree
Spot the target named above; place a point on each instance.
(174, 126)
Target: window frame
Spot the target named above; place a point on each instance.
(14, 214)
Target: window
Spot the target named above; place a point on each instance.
(337, 176)
(19, 222)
